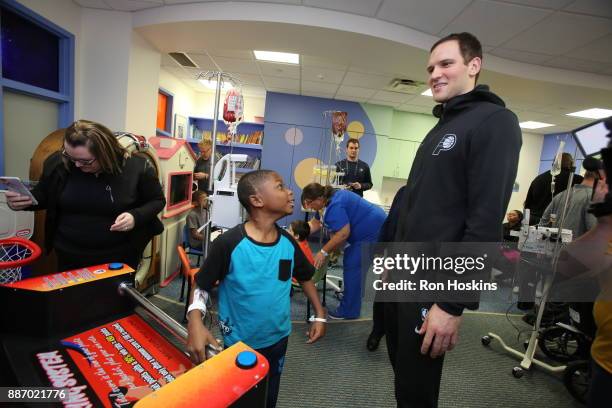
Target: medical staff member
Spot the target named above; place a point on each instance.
(352, 220)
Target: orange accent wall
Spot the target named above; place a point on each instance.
(162, 103)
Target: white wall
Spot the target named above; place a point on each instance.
(106, 42)
(143, 80)
(184, 96)
(529, 163)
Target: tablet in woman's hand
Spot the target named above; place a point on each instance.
(16, 185)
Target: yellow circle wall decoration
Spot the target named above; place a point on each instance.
(303, 173)
(355, 129)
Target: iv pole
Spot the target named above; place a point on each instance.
(219, 77)
(527, 358)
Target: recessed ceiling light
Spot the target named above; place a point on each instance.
(594, 113)
(212, 84)
(427, 92)
(273, 56)
(530, 124)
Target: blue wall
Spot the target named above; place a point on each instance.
(299, 119)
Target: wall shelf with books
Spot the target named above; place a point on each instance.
(248, 140)
(248, 133)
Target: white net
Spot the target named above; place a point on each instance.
(11, 251)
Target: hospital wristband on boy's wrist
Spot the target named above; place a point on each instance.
(200, 297)
(312, 319)
(324, 252)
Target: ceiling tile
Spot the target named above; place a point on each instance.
(284, 83)
(574, 64)
(366, 80)
(240, 54)
(322, 62)
(374, 101)
(495, 23)
(202, 61)
(598, 50)
(521, 104)
(167, 61)
(250, 79)
(276, 1)
(322, 75)
(559, 108)
(547, 4)
(187, 1)
(133, 5)
(235, 65)
(601, 8)
(279, 70)
(281, 90)
(350, 98)
(395, 97)
(312, 86)
(554, 36)
(98, 4)
(524, 116)
(353, 91)
(362, 7)
(522, 56)
(428, 16)
(319, 94)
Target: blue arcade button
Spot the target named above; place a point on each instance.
(115, 266)
(246, 359)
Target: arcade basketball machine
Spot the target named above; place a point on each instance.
(89, 339)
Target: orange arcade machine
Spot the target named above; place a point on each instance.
(88, 335)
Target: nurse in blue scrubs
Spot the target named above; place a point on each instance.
(351, 220)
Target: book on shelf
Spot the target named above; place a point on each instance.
(254, 138)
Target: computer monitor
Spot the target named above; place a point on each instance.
(591, 138)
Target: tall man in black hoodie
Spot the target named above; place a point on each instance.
(458, 191)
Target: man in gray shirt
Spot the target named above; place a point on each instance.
(577, 219)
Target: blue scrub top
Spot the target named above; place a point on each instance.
(365, 218)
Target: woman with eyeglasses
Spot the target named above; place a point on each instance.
(102, 203)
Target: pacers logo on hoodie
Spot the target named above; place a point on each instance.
(448, 142)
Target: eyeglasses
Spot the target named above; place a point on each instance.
(80, 161)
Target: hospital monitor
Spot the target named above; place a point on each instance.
(591, 138)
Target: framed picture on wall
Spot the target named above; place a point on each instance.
(180, 126)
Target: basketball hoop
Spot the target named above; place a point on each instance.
(15, 253)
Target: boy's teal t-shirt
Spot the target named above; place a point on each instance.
(254, 285)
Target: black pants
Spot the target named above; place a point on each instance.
(599, 390)
(378, 319)
(275, 354)
(67, 260)
(417, 376)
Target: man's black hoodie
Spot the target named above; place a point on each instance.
(462, 176)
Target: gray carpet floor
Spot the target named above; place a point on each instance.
(338, 371)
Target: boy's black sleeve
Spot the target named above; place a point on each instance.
(302, 268)
(216, 265)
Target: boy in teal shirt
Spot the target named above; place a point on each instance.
(254, 263)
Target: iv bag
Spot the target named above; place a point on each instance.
(556, 166)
